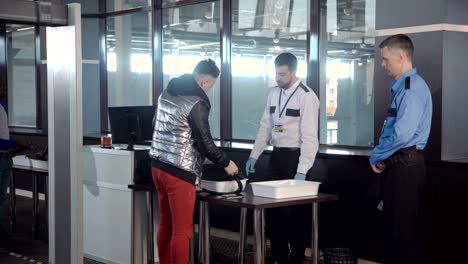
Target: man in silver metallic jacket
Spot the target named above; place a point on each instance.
(181, 141)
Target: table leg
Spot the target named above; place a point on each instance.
(133, 247)
(243, 220)
(206, 234)
(315, 230)
(46, 197)
(35, 206)
(150, 235)
(258, 234)
(201, 224)
(13, 201)
(191, 248)
(263, 232)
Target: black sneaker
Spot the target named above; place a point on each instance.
(6, 241)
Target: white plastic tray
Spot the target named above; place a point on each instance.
(221, 186)
(22, 160)
(40, 164)
(284, 188)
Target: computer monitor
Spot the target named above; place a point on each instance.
(131, 124)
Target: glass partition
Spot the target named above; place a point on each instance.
(261, 31)
(347, 45)
(119, 5)
(129, 63)
(91, 76)
(21, 72)
(190, 34)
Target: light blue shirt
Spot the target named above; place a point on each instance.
(408, 120)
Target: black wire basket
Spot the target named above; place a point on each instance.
(340, 256)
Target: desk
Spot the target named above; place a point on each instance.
(258, 205)
(36, 173)
(108, 223)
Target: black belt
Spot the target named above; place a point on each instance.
(285, 149)
(403, 155)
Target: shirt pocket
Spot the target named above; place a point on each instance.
(293, 112)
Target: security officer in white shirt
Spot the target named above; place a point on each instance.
(290, 125)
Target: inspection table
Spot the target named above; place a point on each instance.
(258, 205)
(35, 173)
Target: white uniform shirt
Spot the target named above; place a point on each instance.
(298, 122)
(4, 132)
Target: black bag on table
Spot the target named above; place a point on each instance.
(214, 172)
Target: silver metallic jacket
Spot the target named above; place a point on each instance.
(172, 137)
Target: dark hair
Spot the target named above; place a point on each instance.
(399, 41)
(286, 59)
(207, 66)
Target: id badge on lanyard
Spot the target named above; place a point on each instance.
(279, 127)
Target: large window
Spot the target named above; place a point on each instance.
(87, 6)
(190, 34)
(347, 71)
(21, 76)
(117, 5)
(91, 76)
(261, 31)
(129, 64)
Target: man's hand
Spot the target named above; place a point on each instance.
(250, 166)
(20, 147)
(24, 145)
(231, 169)
(375, 168)
(300, 176)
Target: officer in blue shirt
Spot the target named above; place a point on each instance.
(7, 146)
(399, 152)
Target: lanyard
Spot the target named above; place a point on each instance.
(287, 101)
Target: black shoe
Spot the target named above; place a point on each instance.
(279, 260)
(6, 241)
(296, 260)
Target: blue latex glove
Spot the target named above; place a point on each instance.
(250, 166)
(300, 176)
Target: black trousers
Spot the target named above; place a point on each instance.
(286, 226)
(404, 182)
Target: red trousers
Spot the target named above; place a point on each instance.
(176, 205)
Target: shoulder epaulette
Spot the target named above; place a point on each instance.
(304, 87)
(407, 83)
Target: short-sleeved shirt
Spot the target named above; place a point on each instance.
(409, 117)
